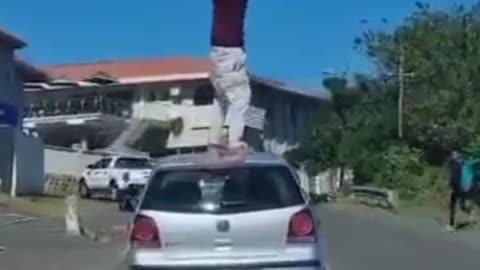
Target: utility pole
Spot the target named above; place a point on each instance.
(401, 89)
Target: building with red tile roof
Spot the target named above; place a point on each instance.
(88, 103)
(136, 70)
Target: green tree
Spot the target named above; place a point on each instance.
(359, 126)
(442, 50)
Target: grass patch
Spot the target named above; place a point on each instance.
(428, 195)
(428, 210)
(37, 206)
(4, 199)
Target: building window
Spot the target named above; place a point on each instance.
(150, 96)
(157, 95)
(203, 95)
(162, 95)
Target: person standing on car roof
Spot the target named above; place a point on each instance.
(229, 76)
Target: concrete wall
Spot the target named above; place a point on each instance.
(289, 118)
(65, 161)
(7, 137)
(10, 83)
(7, 75)
(29, 166)
(196, 120)
(10, 94)
(197, 123)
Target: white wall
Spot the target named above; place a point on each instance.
(196, 120)
(29, 171)
(197, 123)
(64, 161)
(288, 117)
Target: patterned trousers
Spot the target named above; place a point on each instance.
(230, 79)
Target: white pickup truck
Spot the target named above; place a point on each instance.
(114, 175)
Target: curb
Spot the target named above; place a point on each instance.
(74, 226)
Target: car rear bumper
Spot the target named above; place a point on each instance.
(287, 265)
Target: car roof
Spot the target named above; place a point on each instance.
(211, 160)
(129, 157)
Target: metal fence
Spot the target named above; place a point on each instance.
(80, 105)
(60, 185)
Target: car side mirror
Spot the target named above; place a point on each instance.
(90, 166)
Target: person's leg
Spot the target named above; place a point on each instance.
(231, 80)
(238, 95)
(470, 207)
(474, 214)
(217, 118)
(220, 103)
(452, 210)
(229, 74)
(463, 202)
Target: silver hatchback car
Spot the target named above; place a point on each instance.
(204, 213)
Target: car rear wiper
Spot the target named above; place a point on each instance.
(233, 203)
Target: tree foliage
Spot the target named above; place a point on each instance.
(441, 49)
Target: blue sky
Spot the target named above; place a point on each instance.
(289, 39)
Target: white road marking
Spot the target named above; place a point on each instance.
(119, 228)
(18, 221)
(18, 218)
(58, 229)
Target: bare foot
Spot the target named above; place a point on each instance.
(450, 228)
(238, 148)
(239, 145)
(233, 153)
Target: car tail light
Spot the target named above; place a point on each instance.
(144, 233)
(302, 227)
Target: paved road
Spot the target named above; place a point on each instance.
(357, 239)
(41, 243)
(363, 240)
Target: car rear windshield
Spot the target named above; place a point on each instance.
(132, 163)
(220, 191)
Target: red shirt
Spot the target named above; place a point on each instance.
(228, 23)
